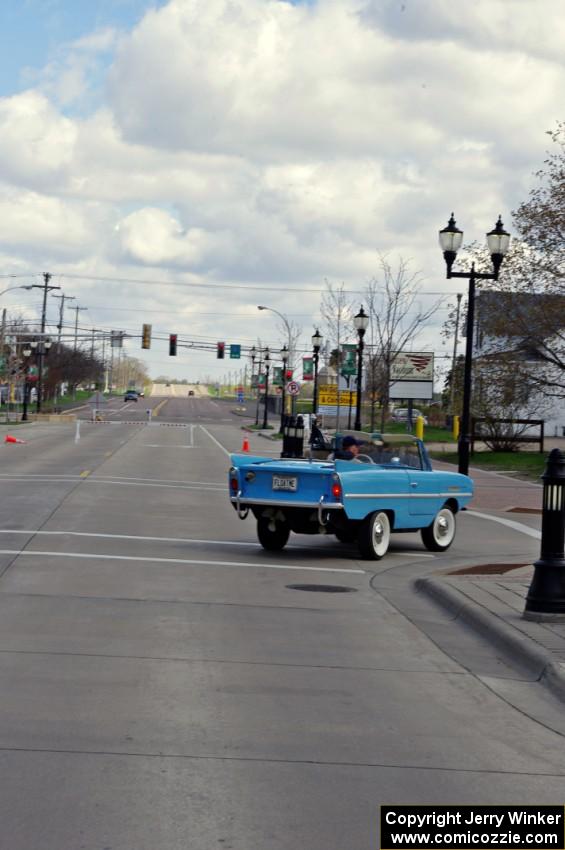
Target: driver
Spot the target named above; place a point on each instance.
(349, 449)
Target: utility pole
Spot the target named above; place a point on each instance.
(62, 299)
(46, 288)
(77, 310)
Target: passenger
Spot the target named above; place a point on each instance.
(349, 449)
(317, 440)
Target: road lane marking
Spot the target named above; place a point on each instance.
(91, 480)
(161, 446)
(85, 473)
(34, 476)
(221, 490)
(193, 562)
(145, 538)
(516, 526)
(129, 537)
(215, 441)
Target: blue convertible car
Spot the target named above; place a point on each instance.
(389, 488)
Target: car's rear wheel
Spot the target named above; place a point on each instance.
(374, 536)
(439, 536)
(273, 536)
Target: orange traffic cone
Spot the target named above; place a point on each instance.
(9, 439)
(245, 446)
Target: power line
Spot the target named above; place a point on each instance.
(276, 289)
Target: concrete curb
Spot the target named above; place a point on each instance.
(269, 436)
(517, 646)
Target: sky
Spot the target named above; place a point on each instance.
(179, 163)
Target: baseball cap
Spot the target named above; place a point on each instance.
(349, 441)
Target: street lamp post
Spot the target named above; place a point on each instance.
(259, 367)
(361, 321)
(252, 356)
(284, 358)
(450, 240)
(3, 323)
(316, 345)
(266, 361)
(38, 348)
(46, 288)
(26, 351)
(286, 323)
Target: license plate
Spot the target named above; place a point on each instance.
(285, 482)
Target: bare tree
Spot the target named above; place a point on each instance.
(529, 313)
(501, 399)
(336, 313)
(396, 320)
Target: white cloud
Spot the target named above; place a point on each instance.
(264, 143)
(36, 141)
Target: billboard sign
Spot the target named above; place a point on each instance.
(412, 376)
(412, 366)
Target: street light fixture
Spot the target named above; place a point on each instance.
(266, 361)
(10, 288)
(450, 240)
(316, 345)
(286, 323)
(361, 322)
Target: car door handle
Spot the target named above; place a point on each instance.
(413, 483)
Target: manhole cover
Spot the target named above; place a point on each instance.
(487, 569)
(322, 588)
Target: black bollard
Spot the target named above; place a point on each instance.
(288, 438)
(299, 437)
(547, 590)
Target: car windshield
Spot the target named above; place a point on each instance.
(393, 449)
(397, 449)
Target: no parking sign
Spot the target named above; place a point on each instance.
(293, 388)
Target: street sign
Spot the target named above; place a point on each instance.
(293, 388)
(328, 395)
(235, 352)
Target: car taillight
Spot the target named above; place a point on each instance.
(234, 483)
(336, 488)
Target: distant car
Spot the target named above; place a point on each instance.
(191, 392)
(130, 395)
(141, 394)
(400, 414)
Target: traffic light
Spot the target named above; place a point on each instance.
(221, 350)
(146, 336)
(172, 345)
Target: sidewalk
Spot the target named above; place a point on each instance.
(492, 603)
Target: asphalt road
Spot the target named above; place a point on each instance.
(163, 687)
